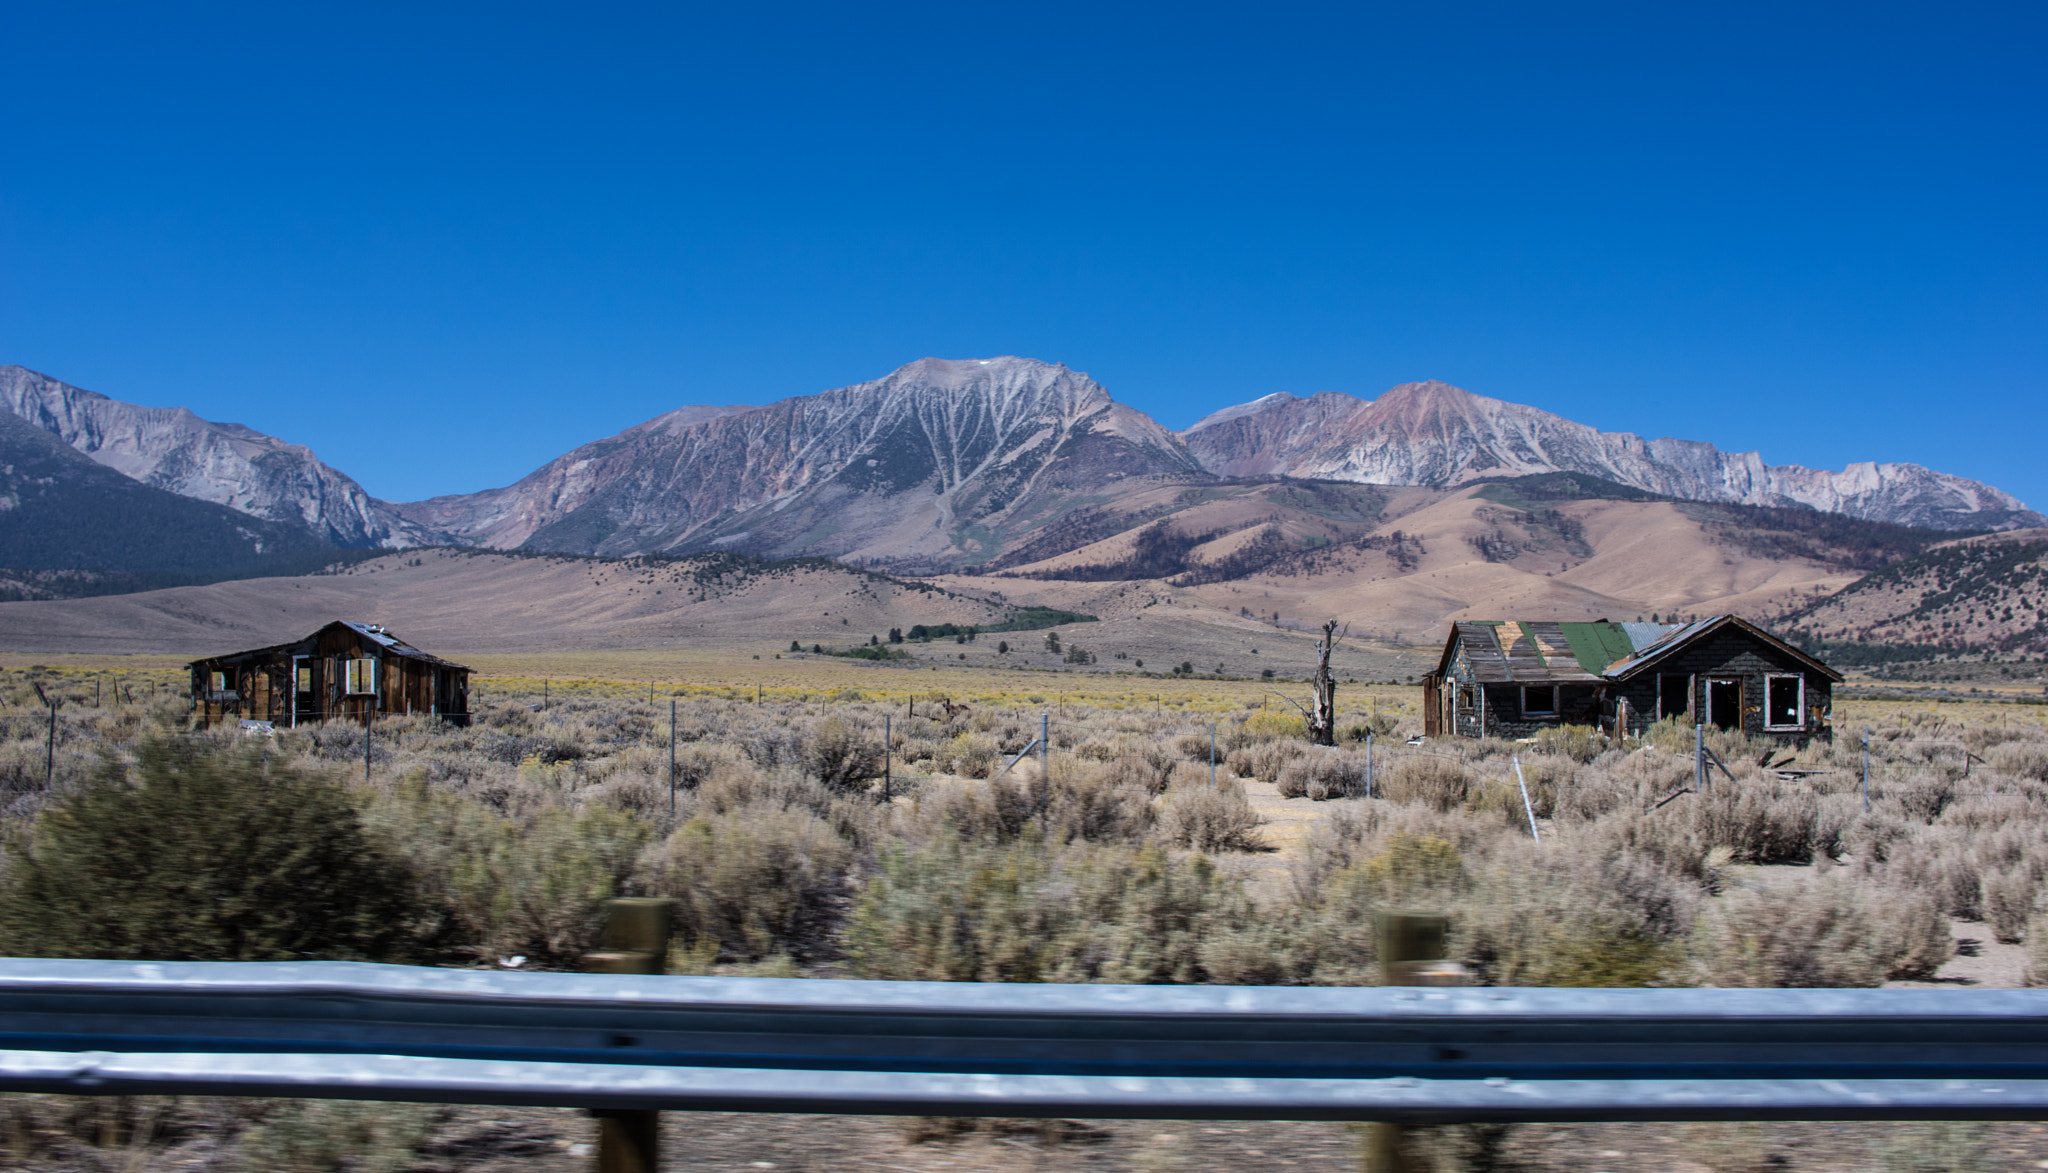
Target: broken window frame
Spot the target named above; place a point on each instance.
(360, 676)
(1799, 701)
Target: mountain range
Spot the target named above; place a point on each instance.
(956, 465)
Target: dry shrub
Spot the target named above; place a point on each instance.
(2036, 972)
(2007, 902)
(1432, 780)
(1617, 783)
(1547, 915)
(1381, 725)
(694, 763)
(1264, 760)
(970, 755)
(757, 880)
(1825, 932)
(1206, 819)
(1194, 747)
(1730, 1147)
(1337, 841)
(1924, 795)
(1098, 805)
(1083, 802)
(1089, 750)
(842, 757)
(318, 1136)
(1274, 725)
(1580, 743)
(1409, 869)
(1759, 821)
(2021, 759)
(734, 786)
(1139, 770)
(1330, 773)
(994, 812)
(1934, 1146)
(634, 793)
(1938, 867)
(961, 911)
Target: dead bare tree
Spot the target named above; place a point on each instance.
(1322, 718)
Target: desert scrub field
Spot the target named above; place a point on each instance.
(1119, 860)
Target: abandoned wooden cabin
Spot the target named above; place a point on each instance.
(1514, 679)
(342, 672)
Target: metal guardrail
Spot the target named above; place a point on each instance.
(1416, 1055)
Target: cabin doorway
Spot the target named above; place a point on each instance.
(1724, 704)
(305, 707)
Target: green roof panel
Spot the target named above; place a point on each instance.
(1597, 644)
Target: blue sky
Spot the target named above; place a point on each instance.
(443, 243)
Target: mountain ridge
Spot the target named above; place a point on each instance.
(946, 465)
(172, 448)
(968, 445)
(1431, 433)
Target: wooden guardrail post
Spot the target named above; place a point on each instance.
(635, 940)
(1412, 948)
(628, 1140)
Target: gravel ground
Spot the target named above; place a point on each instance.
(494, 1141)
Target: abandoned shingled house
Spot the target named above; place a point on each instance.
(344, 671)
(1503, 678)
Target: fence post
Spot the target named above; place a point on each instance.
(1527, 806)
(888, 752)
(1368, 763)
(1212, 755)
(671, 757)
(1700, 780)
(1044, 784)
(366, 744)
(1866, 769)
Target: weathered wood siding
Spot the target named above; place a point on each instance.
(260, 685)
(1456, 702)
(1727, 654)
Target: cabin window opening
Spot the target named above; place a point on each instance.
(1674, 696)
(1784, 701)
(220, 682)
(362, 675)
(305, 680)
(1539, 700)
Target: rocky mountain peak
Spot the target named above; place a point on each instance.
(924, 467)
(227, 464)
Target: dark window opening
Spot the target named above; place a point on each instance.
(1782, 696)
(1539, 700)
(1674, 696)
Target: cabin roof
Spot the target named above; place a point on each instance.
(1673, 642)
(1525, 651)
(373, 632)
(1538, 651)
